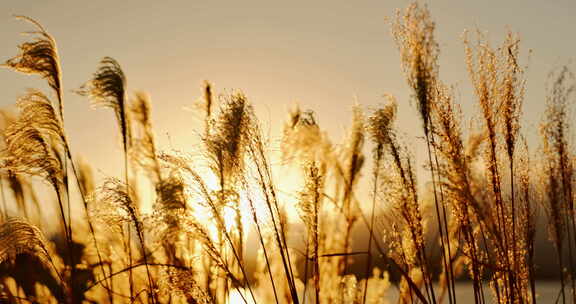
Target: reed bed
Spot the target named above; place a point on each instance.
(219, 230)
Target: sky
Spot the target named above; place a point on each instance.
(323, 55)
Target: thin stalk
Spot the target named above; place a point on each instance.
(236, 256)
(513, 214)
(478, 290)
(67, 157)
(139, 232)
(180, 267)
(530, 241)
(282, 230)
(63, 216)
(438, 218)
(260, 237)
(569, 219)
(67, 188)
(306, 269)
(128, 247)
(371, 226)
(268, 176)
(404, 274)
(4, 206)
(64, 223)
(447, 233)
(567, 189)
(496, 188)
(426, 271)
(221, 224)
(349, 220)
(561, 269)
(316, 245)
(281, 243)
(110, 288)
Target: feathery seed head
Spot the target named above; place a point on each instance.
(40, 57)
(108, 89)
(380, 123)
(414, 35)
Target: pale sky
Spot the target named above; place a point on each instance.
(321, 55)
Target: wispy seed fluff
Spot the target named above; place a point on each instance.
(108, 89)
(39, 56)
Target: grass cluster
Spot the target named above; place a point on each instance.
(211, 208)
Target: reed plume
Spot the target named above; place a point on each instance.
(86, 177)
(228, 135)
(455, 171)
(108, 89)
(208, 105)
(309, 207)
(194, 214)
(379, 126)
(40, 57)
(32, 145)
(30, 153)
(113, 200)
(414, 35)
(215, 203)
(144, 151)
(558, 167)
(185, 285)
(225, 150)
(351, 168)
(17, 236)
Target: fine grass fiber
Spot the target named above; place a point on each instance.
(214, 226)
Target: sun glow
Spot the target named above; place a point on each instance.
(235, 203)
(236, 298)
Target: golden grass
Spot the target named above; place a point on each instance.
(477, 221)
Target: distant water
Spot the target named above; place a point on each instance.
(546, 293)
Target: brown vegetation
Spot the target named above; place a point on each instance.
(475, 221)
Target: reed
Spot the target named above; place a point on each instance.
(218, 224)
